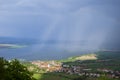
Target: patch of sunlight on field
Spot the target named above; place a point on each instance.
(87, 57)
(50, 76)
(37, 76)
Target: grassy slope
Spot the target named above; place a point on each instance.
(90, 63)
(101, 55)
(54, 76)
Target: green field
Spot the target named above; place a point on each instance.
(54, 76)
(102, 59)
(62, 76)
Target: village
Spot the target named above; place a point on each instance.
(53, 66)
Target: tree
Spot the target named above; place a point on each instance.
(14, 70)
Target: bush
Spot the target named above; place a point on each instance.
(13, 70)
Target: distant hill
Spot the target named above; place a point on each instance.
(100, 55)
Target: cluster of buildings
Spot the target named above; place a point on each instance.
(110, 73)
(79, 70)
(53, 66)
(84, 71)
(49, 66)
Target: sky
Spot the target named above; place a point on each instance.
(81, 24)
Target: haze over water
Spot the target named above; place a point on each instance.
(60, 28)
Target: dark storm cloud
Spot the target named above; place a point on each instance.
(94, 22)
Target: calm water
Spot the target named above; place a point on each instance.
(36, 52)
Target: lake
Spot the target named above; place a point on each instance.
(38, 52)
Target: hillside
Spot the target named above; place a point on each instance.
(94, 66)
(108, 54)
(101, 55)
